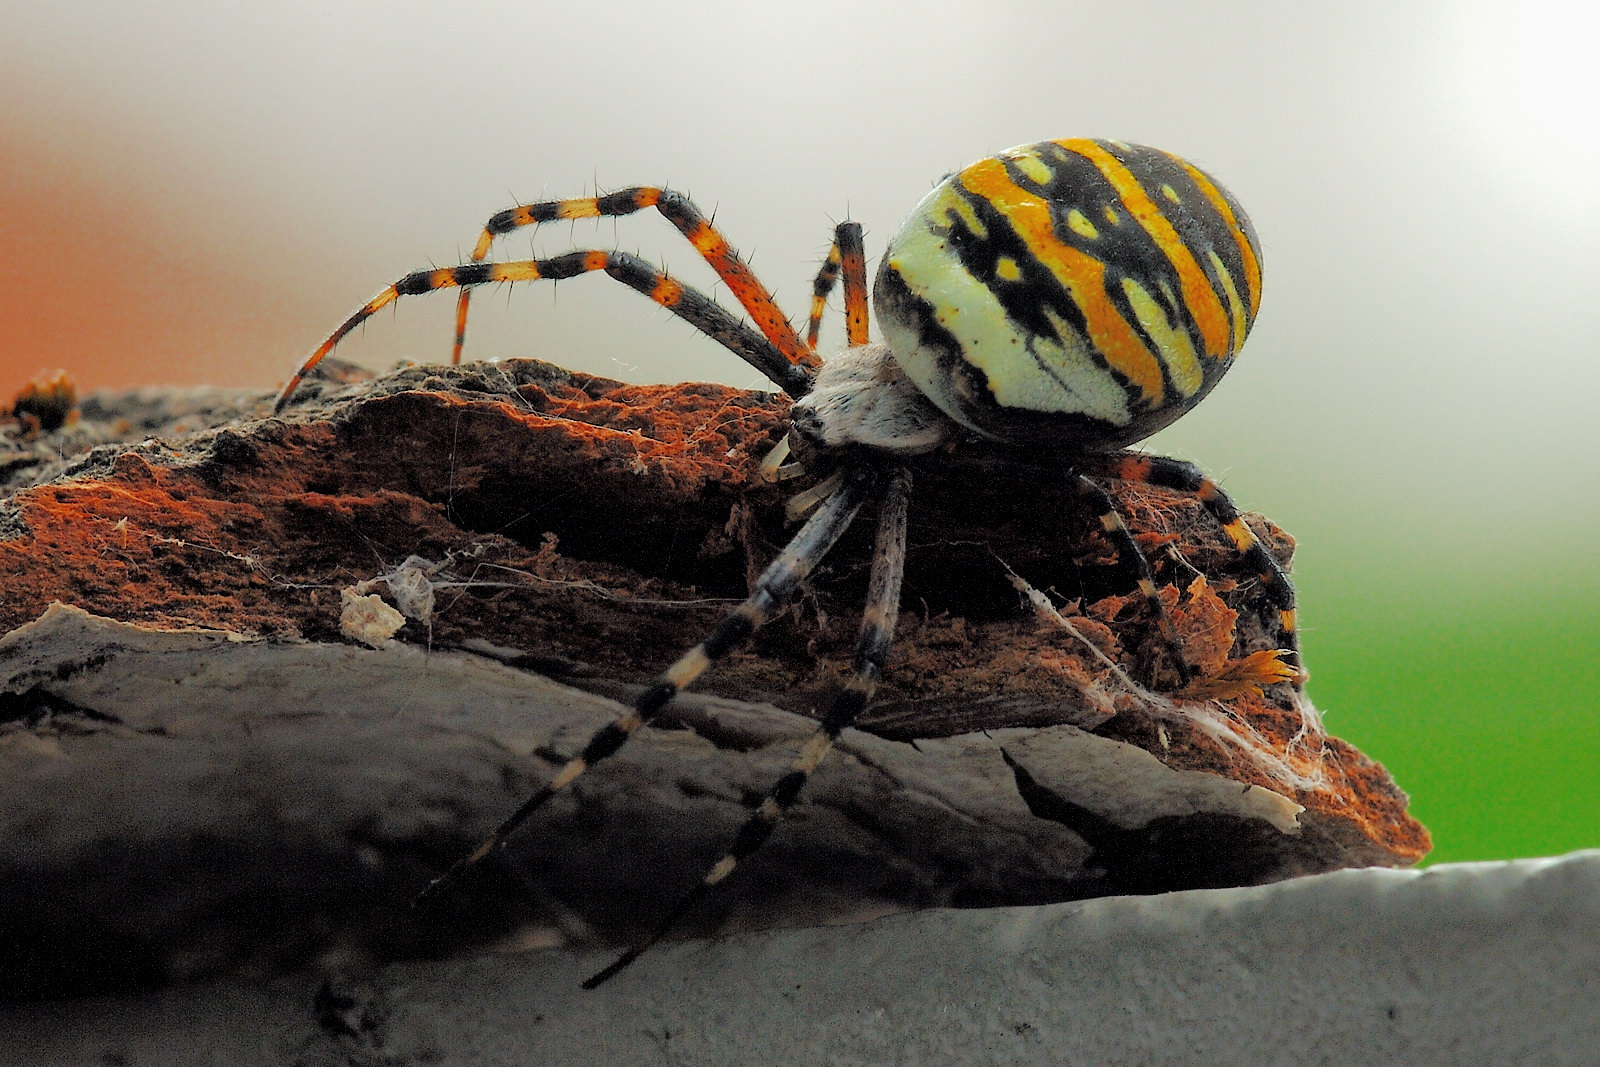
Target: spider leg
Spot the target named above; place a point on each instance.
(1187, 478)
(691, 222)
(684, 301)
(821, 288)
(1137, 565)
(772, 593)
(872, 650)
(848, 254)
(853, 255)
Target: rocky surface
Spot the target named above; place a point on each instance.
(263, 677)
(1460, 964)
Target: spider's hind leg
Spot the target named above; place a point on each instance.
(1136, 563)
(1187, 478)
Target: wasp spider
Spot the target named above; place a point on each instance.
(1041, 309)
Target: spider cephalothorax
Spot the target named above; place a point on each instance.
(1043, 308)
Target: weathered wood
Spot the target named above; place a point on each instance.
(200, 769)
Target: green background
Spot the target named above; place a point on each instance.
(1478, 701)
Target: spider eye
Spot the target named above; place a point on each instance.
(1076, 293)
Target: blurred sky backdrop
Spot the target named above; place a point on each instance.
(196, 192)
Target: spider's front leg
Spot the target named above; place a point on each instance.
(847, 255)
(690, 221)
(684, 301)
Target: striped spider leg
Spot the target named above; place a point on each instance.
(777, 351)
(690, 221)
(1145, 469)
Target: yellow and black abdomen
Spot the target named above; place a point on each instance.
(1074, 294)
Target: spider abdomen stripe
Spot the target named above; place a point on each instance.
(1091, 291)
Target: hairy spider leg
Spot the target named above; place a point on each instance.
(773, 591)
(871, 652)
(821, 288)
(849, 254)
(1135, 563)
(878, 621)
(684, 301)
(853, 256)
(691, 222)
(1187, 478)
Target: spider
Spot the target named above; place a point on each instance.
(1042, 309)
